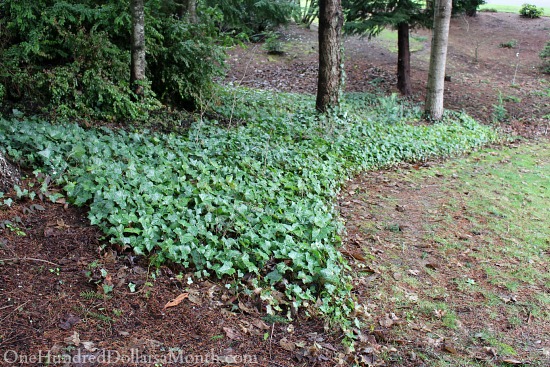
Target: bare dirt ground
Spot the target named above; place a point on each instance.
(65, 291)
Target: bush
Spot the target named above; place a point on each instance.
(509, 44)
(468, 7)
(254, 202)
(183, 58)
(253, 16)
(71, 59)
(545, 56)
(273, 44)
(531, 11)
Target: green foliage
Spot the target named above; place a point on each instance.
(468, 7)
(370, 17)
(509, 44)
(500, 114)
(545, 56)
(531, 11)
(273, 44)
(253, 16)
(182, 58)
(255, 199)
(307, 12)
(72, 58)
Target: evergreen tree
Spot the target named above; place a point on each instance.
(330, 54)
(370, 17)
(438, 59)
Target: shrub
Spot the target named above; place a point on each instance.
(468, 7)
(71, 58)
(509, 44)
(253, 16)
(183, 58)
(273, 44)
(530, 11)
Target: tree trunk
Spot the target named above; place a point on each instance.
(137, 69)
(403, 59)
(190, 9)
(438, 59)
(331, 20)
(9, 175)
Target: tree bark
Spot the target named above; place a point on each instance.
(137, 69)
(9, 175)
(190, 9)
(331, 20)
(438, 59)
(403, 59)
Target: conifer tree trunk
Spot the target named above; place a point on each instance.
(403, 59)
(331, 20)
(9, 175)
(190, 7)
(137, 69)
(438, 59)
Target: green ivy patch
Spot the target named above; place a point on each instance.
(253, 199)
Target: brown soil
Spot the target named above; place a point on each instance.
(66, 291)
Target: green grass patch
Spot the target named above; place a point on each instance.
(500, 8)
(252, 199)
(388, 39)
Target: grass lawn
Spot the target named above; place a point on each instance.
(460, 255)
(501, 8)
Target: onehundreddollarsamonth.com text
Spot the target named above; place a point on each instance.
(113, 357)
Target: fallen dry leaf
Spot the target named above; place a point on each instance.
(449, 349)
(231, 334)
(247, 328)
(287, 345)
(176, 301)
(244, 308)
(357, 255)
(260, 324)
(89, 346)
(73, 339)
(511, 361)
(195, 299)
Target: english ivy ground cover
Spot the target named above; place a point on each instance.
(255, 198)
